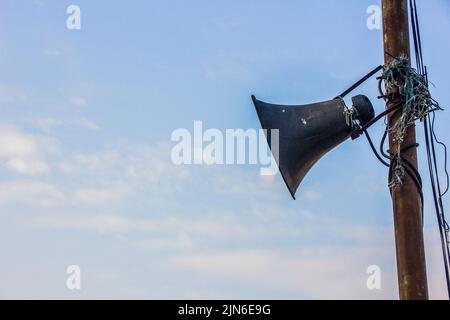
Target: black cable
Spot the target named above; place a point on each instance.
(382, 144)
(419, 40)
(445, 155)
(444, 224)
(437, 206)
(375, 150)
(409, 168)
(430, 138)
(359, 82)
(415, 38)
(415, 176)
(411, 171)
(360, 129)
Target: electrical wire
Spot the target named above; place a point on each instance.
(430, 139)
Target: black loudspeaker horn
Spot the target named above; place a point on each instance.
(307, 132)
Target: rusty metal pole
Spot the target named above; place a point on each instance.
(411, 269)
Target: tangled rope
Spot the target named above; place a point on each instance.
(404, 83)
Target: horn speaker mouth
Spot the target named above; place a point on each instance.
(307, 132)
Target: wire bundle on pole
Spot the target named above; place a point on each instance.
(413, 87)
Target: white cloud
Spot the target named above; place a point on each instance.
(200, 235)
(47, 124)
(96, 161)
(207, 227)
(15, 143)
(30, 193)
(100, 196)
(177, 243)
(25, 166)
(317, 273)
(22, 152)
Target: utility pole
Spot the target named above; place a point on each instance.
(411, 269)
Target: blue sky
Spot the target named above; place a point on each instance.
(85, 170)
